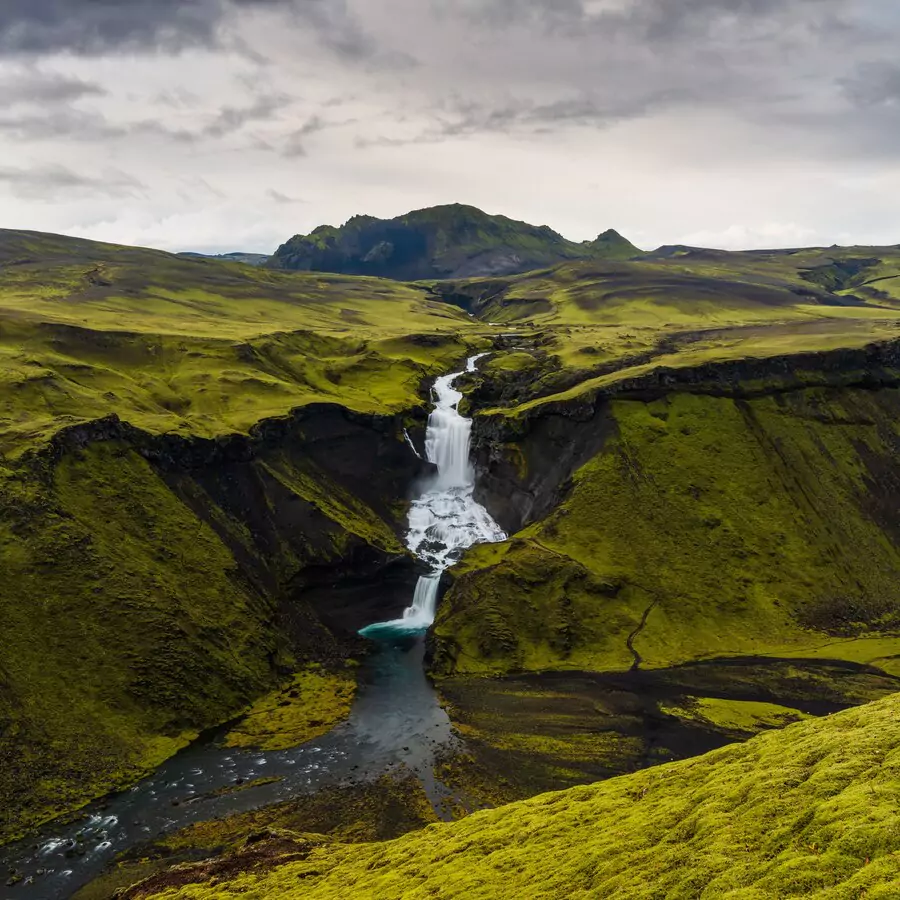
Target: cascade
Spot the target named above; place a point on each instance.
(445, 519)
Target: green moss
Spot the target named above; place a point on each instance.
(310, 705)
(381, 810)
(739, 716)
(208, 348)
(350, 514)
(810, 811)
(125, 632)
(708, 527)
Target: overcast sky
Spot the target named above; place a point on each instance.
(223, 125)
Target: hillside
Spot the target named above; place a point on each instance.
(195, 346)
(250, 259)
(810, 811)
(443, 241)
(205, 470)
(179, 442)
(685, 453)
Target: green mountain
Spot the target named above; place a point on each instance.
(611, 245)
(443, 241)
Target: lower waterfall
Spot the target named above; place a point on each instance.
(445, 519)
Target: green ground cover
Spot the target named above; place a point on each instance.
(138, 606)
(810, 811)
(710, 526)
(199, 346)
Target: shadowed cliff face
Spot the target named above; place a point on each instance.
(154, 585)
(526, 457)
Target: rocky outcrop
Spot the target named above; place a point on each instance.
(260, 484)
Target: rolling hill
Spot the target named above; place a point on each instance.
(694, 452)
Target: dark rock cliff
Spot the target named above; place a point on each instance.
(313, 556)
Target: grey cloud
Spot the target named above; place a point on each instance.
(32, 86)
(338, 29)
(91, 27)
(530, 66)
(294, 144)
(469, 119)
(67, 123)
(86, 127)
(231, 119)
(278, 197)
(54, 182)
(874, 84)
(651, 20)
(64, 123)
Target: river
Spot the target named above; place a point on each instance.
(395, 719)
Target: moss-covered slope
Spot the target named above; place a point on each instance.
(200, 347)
(707, 526)
(152, 588)
(812, 811)
(718, 562)
(195, 459)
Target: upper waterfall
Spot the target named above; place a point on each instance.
(445, 519)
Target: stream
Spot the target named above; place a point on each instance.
(396, 718)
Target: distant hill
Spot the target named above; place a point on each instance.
(250, 259)
(611, 245)
(440, 242)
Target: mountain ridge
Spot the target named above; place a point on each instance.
(454, 240)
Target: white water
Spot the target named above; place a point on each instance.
(445, 519)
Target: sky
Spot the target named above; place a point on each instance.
(221, 125)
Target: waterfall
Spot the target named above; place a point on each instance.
(445, 519)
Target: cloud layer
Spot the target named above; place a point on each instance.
(203, 124)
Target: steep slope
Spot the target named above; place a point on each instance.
(611, 245)
(811, 811)
(443, 241)
(153, 588)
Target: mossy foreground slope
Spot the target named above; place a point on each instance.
(812, 811)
